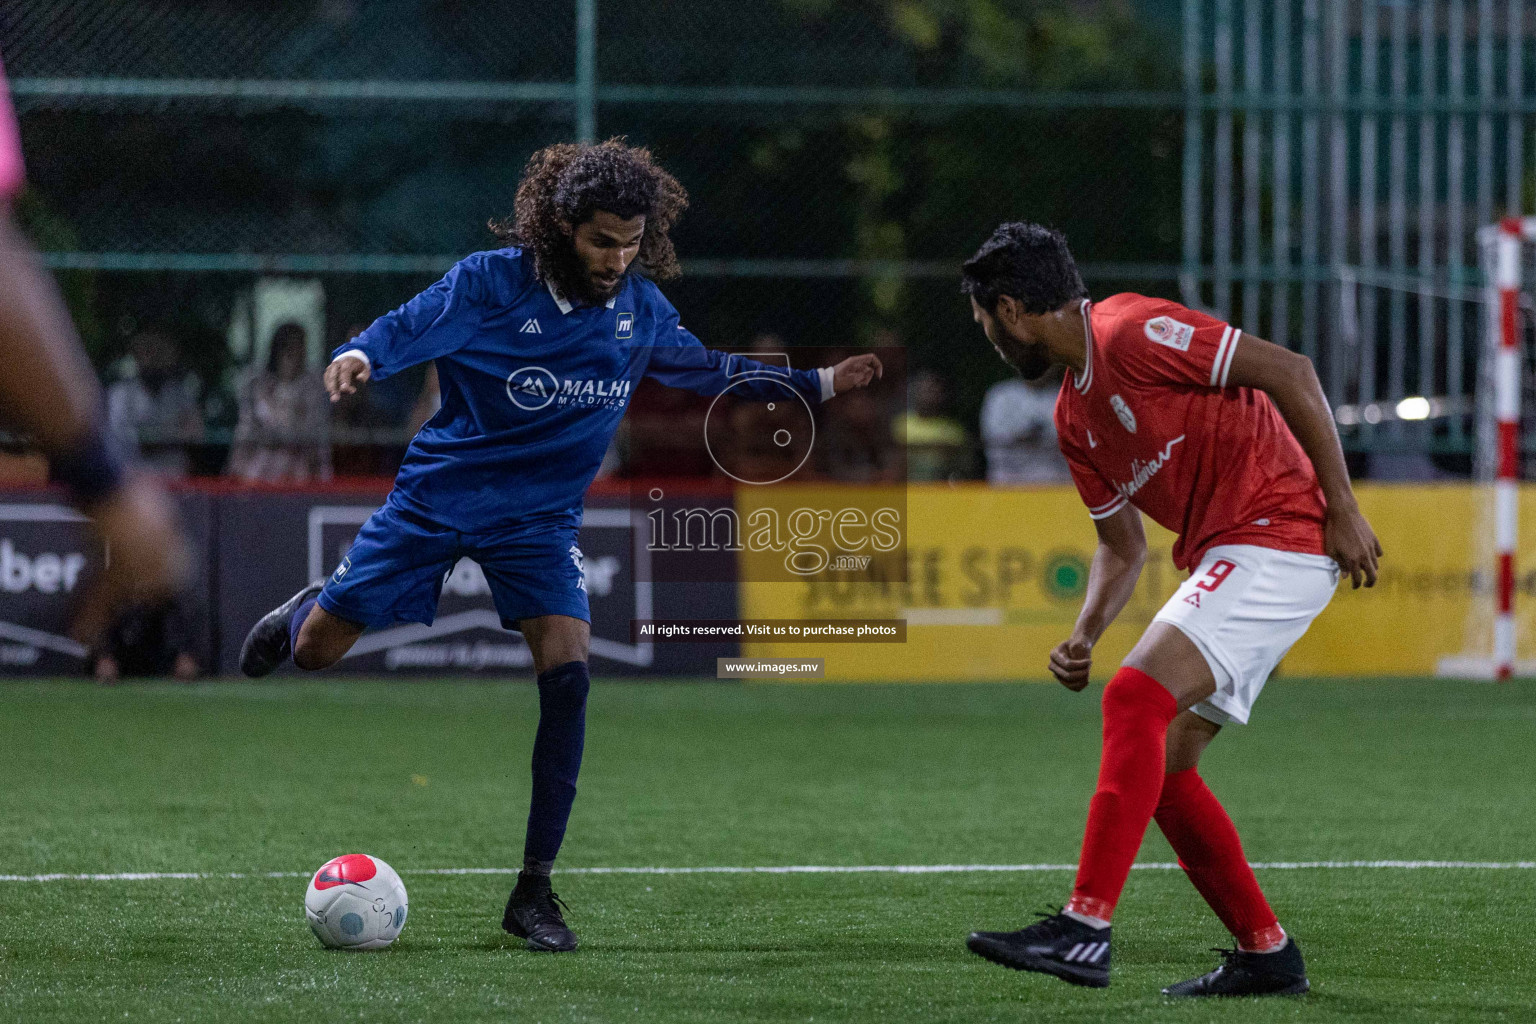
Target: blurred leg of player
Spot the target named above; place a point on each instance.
(49, 391)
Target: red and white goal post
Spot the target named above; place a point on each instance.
(1498, 469)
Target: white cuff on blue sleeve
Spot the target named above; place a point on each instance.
(356, 353)
(825, 373)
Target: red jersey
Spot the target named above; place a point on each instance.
(1151, 421)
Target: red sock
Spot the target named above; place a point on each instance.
(1137, 711)
(1209, 851)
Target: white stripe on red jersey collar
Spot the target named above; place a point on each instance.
(1085, 381)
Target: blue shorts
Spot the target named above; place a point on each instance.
(395, 568)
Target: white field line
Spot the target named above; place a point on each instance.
(800, 869)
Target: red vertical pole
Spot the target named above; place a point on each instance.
(1507, 413)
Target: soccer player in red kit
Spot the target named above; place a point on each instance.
(1228, 441)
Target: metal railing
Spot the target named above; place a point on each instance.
(1335, 156)
(1352, 150)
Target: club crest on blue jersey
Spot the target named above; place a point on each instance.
(532, 387)
(625, 326)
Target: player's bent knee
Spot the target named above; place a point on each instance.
(1131, 690)
(573, 645)
(1166, 653)
(1188, 737)
(556, 640)
(576, 651)
(551, 656)
(1180, 760)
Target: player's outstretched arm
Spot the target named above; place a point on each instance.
(680, 360)
(436, 323)
(1117, 562)
(689, 365)
(1291, 382)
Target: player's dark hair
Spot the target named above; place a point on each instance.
(565, 184)
(1030, 262)
(288, 333)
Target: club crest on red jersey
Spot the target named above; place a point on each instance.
(1123, 412)
(1165, 330)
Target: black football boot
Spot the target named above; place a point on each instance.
(1281, 973)
(533, 913)
(1058, 944)
(268, 642)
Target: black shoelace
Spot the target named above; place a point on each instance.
(1229, 957)
(547, 906)
(1047, 917)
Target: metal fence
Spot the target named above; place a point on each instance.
(1339, 159)
(1313, 170)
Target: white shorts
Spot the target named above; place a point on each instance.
(1244, 607)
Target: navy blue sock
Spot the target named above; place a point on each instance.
(556, 756)
(297, 622)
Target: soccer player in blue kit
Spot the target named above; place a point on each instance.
(538, 347)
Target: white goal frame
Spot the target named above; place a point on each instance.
(1502, 250)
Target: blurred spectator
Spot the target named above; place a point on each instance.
(373, 425)
(144, 642)
(761, 441)
(284, 417)
(768, 343)
(154, 403)
(856, 443)
(361, 425)
(937, 446)
(666, 433)
(1018, 427)
(428, 400)
(741, 431)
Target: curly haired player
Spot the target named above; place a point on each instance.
(1227, 440)
(538, 346)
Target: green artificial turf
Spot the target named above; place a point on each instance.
(280, 777)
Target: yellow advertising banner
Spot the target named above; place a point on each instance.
(995, 578)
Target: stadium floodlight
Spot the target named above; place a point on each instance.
(1502, 248)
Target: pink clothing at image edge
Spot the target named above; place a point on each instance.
(11, 171)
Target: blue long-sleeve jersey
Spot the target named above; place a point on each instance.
(533, 388)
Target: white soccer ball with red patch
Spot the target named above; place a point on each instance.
(356, 902)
